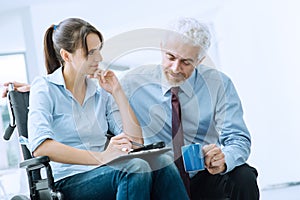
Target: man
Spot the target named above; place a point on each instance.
(211, 112)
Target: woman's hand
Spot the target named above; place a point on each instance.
(118, 145)
(107, 80)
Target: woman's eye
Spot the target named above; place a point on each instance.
(90, 53)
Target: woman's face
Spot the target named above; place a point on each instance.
(88, 65)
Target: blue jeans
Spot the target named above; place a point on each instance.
(130, 179)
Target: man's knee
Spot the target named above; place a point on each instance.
(244, 175)
(244, 183)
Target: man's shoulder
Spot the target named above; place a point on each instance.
(141, 76)
(211, 73)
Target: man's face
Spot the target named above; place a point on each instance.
(178, 59)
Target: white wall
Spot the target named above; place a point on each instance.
(115, 17)
(257, 44)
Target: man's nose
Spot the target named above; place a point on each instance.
(175, 66)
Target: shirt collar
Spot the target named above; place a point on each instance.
(91, 87)
(57, 78)
(186, 86)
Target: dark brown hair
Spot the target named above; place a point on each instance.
(69, 35)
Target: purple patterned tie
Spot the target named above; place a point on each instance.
(177, 136)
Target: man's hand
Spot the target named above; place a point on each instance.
(214, 159)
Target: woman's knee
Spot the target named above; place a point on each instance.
(161, 161)
(137, 165)
(165, 159)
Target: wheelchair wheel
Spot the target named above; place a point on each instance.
(20, 197)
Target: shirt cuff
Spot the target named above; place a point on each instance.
(229, 161)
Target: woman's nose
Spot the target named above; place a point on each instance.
(98, 57)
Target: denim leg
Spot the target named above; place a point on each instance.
(167, 183)
(139, 182)
(127, 180)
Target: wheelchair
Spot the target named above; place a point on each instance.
(40, 188)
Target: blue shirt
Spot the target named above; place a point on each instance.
(210, 106)
(55, 114)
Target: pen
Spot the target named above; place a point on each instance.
(132, 142)
(137, 144)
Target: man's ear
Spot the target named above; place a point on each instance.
(161, 47)
(200, 61)
(66, 56)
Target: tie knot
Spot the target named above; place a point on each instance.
(174, 91)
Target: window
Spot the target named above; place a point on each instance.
(12, 68)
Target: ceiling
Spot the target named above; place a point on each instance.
(14, 4)
(10, 5)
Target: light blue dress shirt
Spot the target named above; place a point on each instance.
(55, 114)
(210, 106)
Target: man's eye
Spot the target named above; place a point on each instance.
(186, 62)
(170, 57)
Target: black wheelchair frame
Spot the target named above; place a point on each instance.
(39, 187)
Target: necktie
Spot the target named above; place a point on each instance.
(177, 138)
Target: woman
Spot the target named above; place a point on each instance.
(69, 117)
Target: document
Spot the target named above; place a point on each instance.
(145, 154)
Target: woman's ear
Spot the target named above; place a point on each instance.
(66, 56)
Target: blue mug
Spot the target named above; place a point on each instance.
(193, 158)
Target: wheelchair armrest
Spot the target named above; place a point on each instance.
(35, 163)
(39, 184)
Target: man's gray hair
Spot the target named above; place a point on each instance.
(192, 31)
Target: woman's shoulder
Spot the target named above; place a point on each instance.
(39, 82)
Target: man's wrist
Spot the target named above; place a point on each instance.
(225, 168)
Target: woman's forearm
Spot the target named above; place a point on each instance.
(59, 152)
(131, 125)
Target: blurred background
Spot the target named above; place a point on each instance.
(255, 42)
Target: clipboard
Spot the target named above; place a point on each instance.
(144, 154)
